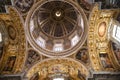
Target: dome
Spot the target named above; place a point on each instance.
(56, 28)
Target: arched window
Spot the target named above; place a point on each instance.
(75, 40)
(41, 42)
(58, 47)
(116, 33)
(0, 37)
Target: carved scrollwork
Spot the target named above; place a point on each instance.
(52, 67)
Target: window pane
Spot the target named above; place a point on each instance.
(0, 37)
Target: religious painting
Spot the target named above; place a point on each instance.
(82, 55)
(11, 32)
(102, 29)
(10, 63)
(116, 50)
(105, 61)
(33, 57)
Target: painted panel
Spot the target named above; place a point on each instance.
(10, 63)
(116, 50)
(82, 55)
(102, 29)
(105, 61)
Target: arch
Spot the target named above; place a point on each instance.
(56, 66)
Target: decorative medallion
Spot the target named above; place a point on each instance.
(102, 29)
(11, 32)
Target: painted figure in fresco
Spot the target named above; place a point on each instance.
(118, 54)
(24, 5)
(105, 61)
(82, 55)
(116, 50)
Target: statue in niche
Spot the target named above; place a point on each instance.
(10, 63)
(105, 60)
(82, 55)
